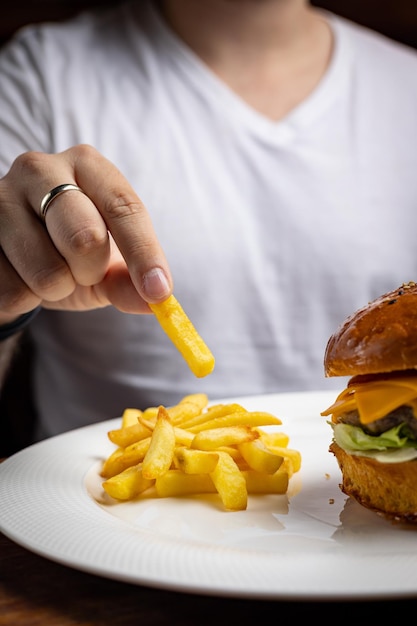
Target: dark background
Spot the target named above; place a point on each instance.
(395, 18)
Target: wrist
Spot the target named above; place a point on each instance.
(7, 319)
(14, 326)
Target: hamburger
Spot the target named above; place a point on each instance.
(374, 419)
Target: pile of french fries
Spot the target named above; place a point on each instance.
(193, 448)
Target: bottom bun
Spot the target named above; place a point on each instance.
(387, 488)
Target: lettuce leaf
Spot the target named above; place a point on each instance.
(395, 445)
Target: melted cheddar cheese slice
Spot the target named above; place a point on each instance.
(375, 399)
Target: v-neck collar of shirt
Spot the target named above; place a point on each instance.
(201, 77)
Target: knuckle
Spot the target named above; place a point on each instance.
(87, 240)
(29, 164)
(123, 206)
(34, 163)
(84, 152)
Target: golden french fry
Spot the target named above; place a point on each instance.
(184, 336)
(195, 461)
(128, 484)
(233, 451)
(227, 436)
(160, 453)
(187, 408)
(274, 439)
(151, 413)
(292, 458)
(176, 483)
(288, 466)
(258, 482)
(125, 436)
(218, 410)
(148, 422)
(111, 462)
(183, 437)
(259, 457)
(123, 458)
(130, 417)
(230, 483)
(248, 418)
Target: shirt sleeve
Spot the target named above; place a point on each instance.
(24, 106)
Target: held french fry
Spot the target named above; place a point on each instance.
(179, 328)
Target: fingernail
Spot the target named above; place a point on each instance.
(155, 284)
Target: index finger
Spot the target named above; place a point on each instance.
(127, 219)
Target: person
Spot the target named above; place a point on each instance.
(256, 159)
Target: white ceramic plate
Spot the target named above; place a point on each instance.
(312, 543)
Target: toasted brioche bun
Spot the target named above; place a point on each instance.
(378, 338)
(387, 488)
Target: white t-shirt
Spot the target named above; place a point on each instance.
(275, 231)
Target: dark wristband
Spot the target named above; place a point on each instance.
(7, 330)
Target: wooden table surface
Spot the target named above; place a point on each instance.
(36, 591)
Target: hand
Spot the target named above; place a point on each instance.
(93, 250)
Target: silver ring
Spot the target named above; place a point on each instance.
(51, 195)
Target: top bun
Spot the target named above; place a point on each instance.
(381, 337)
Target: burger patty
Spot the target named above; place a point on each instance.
(402, 415)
